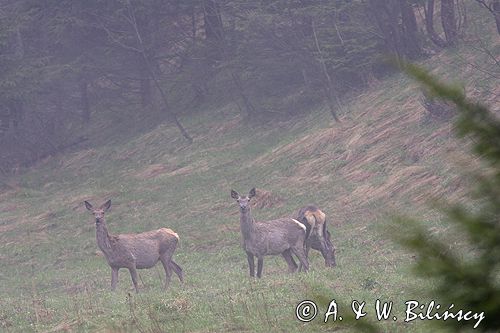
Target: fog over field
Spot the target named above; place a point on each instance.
(249, 166)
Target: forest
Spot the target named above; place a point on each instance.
(64, 62)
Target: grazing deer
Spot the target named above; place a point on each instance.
(135, 251)
(319, 236)
(282, 236)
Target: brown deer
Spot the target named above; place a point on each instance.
(135, 251)
(318, 235)
(282, 236)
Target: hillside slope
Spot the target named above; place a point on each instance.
(386, 156)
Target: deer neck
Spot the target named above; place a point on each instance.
(247, 224)
(102, 236)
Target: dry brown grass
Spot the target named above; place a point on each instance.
(155, 170)
(44, 216)
(152, 171)
(397, 184)
(310, 144)
(266, 199)
(311, 172)
(198, 166)
(8, 227)
(127, 154)
(11, 207)
(226, 126)
(77, 160)
(66, 326)
(382, 153)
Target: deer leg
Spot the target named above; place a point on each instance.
(133, 274)
(325, 252)
(114, 277)
(251, 264)
(292, 266)
(307, 249)
(334, 262)
(300, 253)
(260, 264)
(168, 273)
(177, 269)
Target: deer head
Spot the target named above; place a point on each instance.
(98, 212)
(244, 202)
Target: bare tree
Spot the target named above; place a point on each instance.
(329, 89)
(410, 30)
(493, 6)
(218, 50)
(429, 24)
(84, 98)
(448, 21)
(141, 49)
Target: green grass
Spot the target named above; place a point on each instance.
(53, 277)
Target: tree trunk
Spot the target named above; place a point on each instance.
(193, 23)
(496, 14)
(145, 88)
(4, 123)
(212, 20)
(19, 50)
(329, 91)
(152, 74)
(249, 108)
(386, 15)
(84, 99)
(163, 95)
(494, 8)
(429, 24)
(394, 30)
(448, 21)
(410, 30)
(16, 107)
(462, 16)
(213, 30)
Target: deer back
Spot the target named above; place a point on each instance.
(144, 248)
(276, 236)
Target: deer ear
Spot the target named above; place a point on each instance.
(251, 194)
(234, 194)
(88, 205)
(106, 205)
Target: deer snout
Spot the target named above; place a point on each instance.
(99, 218)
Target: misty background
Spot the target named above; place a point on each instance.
(64, 63)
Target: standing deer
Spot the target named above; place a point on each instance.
(135, 251)
(282, 236)
(319, 236)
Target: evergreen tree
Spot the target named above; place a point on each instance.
(471, 281)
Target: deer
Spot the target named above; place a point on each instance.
(135, 251)
(319, 237)
(285, 236)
